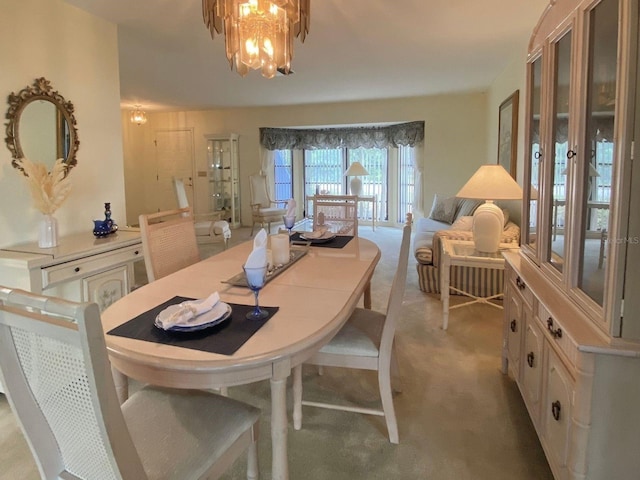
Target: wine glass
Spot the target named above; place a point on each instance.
(255, 281)
(289, 222)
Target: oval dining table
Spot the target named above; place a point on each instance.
(315, 295)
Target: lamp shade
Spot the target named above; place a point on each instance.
(491, 182)
(356, 169)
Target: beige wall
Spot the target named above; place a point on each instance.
(511, 79)
(456, 135)
(78, 53)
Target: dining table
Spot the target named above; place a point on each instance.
(311, 300)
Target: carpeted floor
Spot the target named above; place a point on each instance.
(459, 418)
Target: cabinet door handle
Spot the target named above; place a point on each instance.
(77, 269)
(530, 359)
(537, 155)
(513, 326)
(571, 154)
(555, 410)
(555, 332)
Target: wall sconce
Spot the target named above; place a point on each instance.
(139, 117)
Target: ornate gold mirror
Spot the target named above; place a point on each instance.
(41, 126)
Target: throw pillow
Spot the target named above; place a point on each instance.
(467, 206)
(443, 209)
(463, 223)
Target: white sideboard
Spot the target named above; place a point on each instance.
(81, 268)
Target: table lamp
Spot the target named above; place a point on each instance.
(355, 170)
(490, 182)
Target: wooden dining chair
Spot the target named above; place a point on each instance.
(58, 381)
(337, 212)
(366, 342)
(168, 242)
(263, 209)
(209, 227)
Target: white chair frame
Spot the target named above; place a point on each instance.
(366, 342)
(58, 380)
(209, 227)
(338, 212)
(262, 207)
(168, 242)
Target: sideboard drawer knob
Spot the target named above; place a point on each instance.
(555, 332)
(77, 269)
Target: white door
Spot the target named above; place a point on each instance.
(174, 158)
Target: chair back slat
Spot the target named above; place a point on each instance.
(58, 380)
(181, 193)
(338, 212)
(168, 242)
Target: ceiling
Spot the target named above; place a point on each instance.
(355, 50)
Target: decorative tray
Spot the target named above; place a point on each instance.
(295, 254)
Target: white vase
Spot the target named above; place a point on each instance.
(48, 231)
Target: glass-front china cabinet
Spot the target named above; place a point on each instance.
(572, 311)
(223, 176)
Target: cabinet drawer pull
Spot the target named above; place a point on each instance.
(555, 332)
(520, 284)
(513, 326)
(77, 269)
(555, 410)
(136, 252)
(530, 359)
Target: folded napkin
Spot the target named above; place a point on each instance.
(258, 256)
(291, 208)
(317, 233)
(260, 240)
(182, 313)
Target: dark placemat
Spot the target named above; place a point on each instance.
(337, 242)
(224, 338)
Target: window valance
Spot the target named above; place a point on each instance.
(411, 133)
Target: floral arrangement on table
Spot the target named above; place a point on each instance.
(49, 189)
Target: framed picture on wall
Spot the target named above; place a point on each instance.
(508, 133)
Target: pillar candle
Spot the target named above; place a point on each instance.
(280, 248)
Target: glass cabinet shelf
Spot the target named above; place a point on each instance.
(224, 192)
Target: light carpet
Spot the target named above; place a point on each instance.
(459, 418)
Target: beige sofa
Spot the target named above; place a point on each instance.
(427, 249)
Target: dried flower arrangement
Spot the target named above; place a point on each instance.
(48, 189)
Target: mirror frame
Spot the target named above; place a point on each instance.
(40, 90)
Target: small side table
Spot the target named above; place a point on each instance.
(463, 253)
(373, 199)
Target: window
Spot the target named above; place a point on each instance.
(283, 175)
(406, 181)
(392, 182)
(310, 160)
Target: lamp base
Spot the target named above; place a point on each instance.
(355, 186)
(488, 223)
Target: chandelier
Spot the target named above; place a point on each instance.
(138, 116)
(258, 33)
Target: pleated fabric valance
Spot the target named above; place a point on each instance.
(411, 133)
